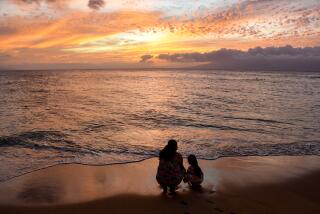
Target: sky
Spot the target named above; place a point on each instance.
(159, 33)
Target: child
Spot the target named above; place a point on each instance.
(194, 174)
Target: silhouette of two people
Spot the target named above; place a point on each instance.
(171, 170)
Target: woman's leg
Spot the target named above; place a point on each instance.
(164, 187)
(172, 189)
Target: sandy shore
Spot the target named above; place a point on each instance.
(232, 185)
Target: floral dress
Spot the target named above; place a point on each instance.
(171, 172)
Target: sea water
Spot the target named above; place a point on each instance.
(102, 116)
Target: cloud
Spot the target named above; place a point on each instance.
(75, 30)
(38, 1)
(247, 19)
(146, 58)
(93, 4)
(270, 58)
(221, 54)
(96, 4)
(4, 56)
(4, 30)
(76, 36)
(127, 29)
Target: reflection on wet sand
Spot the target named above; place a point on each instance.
(39, 194)
(235, 185)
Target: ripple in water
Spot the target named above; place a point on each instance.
(103, 117)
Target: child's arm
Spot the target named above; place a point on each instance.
(187, 176)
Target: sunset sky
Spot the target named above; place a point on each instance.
(115, 33)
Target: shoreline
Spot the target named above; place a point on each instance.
(252, 184)
(148, 158)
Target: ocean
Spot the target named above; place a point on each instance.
(102, 117)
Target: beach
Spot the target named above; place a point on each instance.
(98, 98)
(273, 184)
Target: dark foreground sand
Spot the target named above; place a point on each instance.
(232, 185)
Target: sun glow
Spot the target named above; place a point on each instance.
(122, 31)
(121, 41)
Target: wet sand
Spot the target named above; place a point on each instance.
(232, 185)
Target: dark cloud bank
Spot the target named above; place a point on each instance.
(285, 58)
(146, 58)
(96, 4)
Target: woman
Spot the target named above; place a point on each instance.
(170, 170)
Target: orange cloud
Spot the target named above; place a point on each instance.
(126, 32)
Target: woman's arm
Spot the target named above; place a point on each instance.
(180, 159)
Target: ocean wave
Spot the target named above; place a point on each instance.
(161, 120)
(55, 140)
(100, 117)
(43, 140)
(258, 120)
(289, 149)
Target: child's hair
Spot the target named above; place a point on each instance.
(194, 162)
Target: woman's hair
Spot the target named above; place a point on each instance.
(168, 152)
(194, 163)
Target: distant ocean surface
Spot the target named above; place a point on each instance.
(103, 117)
